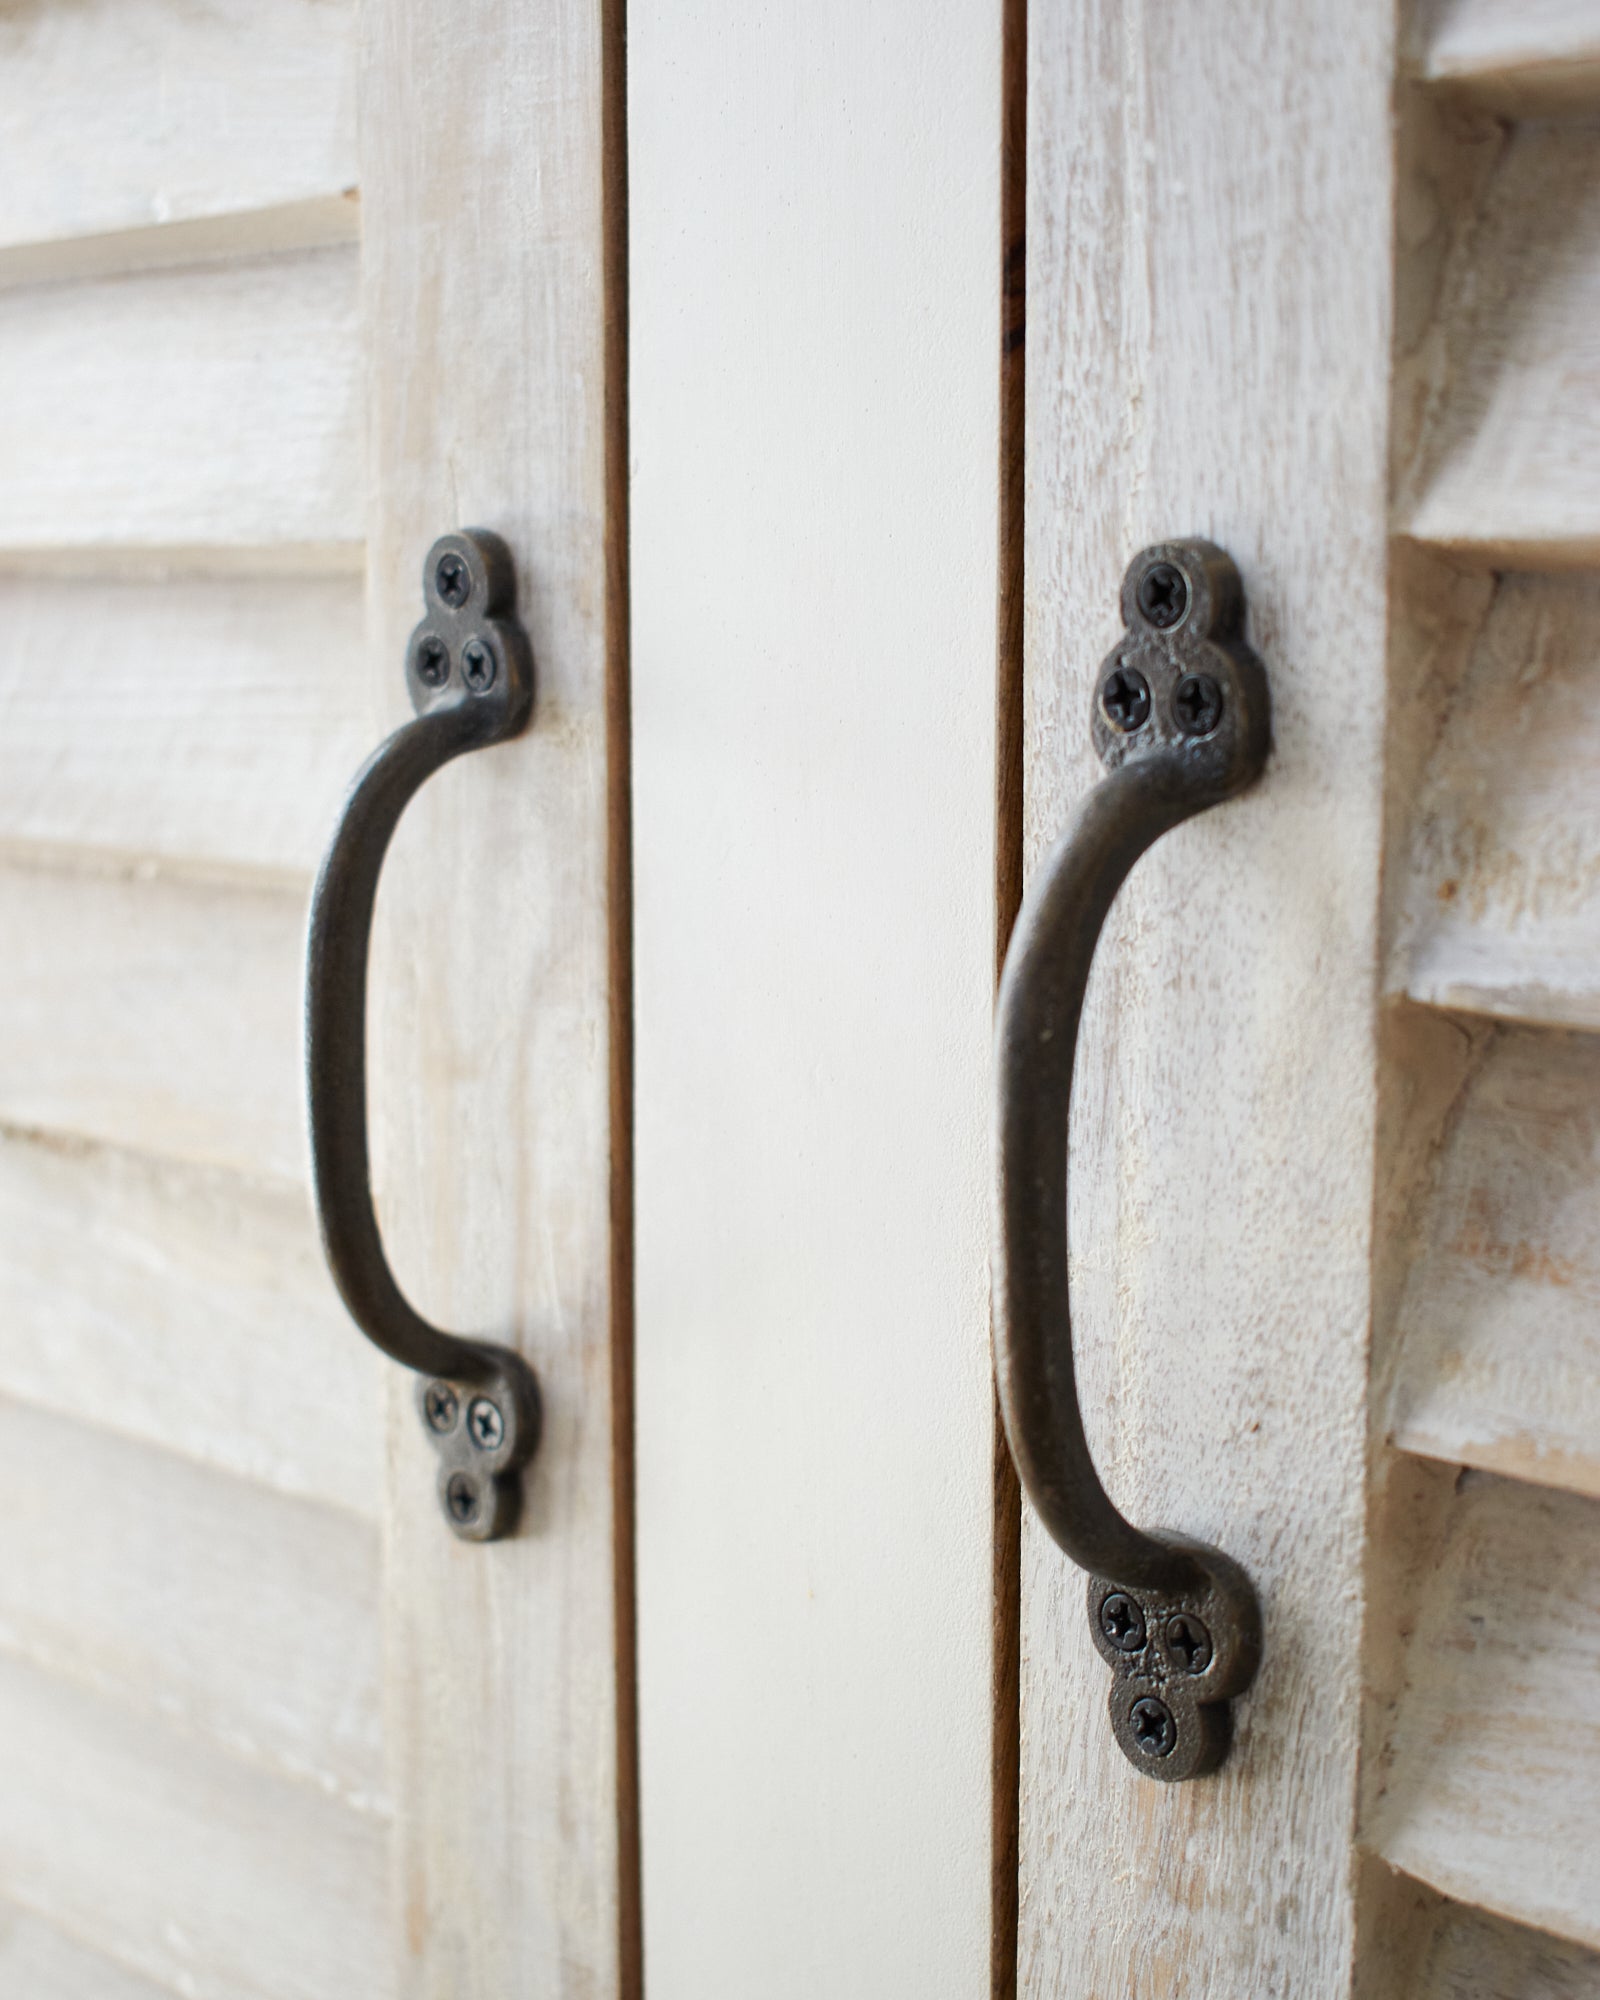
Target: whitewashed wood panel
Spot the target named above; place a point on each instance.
(1473, 1956)
(148, 115)
(1497, 395)
(813, 535)
(184, 1594)
(189, 1307)
(1500, 911)
(1498, 1356)
(157, 1014)
(213, 722)
(185, 1865)
(207, 416)
(1493, 1762)
(493, 297)
(1521, 56)
(38, 1962)
(1208, 335)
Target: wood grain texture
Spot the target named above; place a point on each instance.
(187, 1307)
(215, 724)
(205, 1601)
(144, 115)
(1497, 387)
(1474, 1956)
(43, 1963)
(1500, 907)
(184, 1865)
(207, 416)
(1524, 57)
(153, 1014)
(1493, 1763)
(485, 264)
(1498, 1357)
(1213, 361)
(815, 427)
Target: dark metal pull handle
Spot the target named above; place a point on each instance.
(1181, 722)
(469, 670)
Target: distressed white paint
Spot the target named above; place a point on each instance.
(814, 235)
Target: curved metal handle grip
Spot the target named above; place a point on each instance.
(1181, 721)
(470, 675)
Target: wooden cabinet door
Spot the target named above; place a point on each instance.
(1320, 287)
(286, 291)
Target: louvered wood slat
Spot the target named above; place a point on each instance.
(1474, 1956)
(1519, 56)
(39, 1962)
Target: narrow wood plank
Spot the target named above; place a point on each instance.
(1493, 1761)
(1525, 57)
(42, 1963)
(491, 296)
(1498, 1357)
(1210, 358)
(238, 1614)
(1500, 909)
(211, 414)
(1497, 394)
(151, 1013)
(142, 116)
(215, 723)
(814, 768)
(188, 1307)
(184, 1865)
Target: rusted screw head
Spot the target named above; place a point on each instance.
(1125, 698)
(433, 661)
(1197, 704)
(439, 1406)
(461, 1497)
(1154, 1730)
(1188, 1642)
(1163, 595)
(1122, 1621)
(452, 579)
(485, 1423)
(477, 666)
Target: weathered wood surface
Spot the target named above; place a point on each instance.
(814, 755)
(489, 288)
(1500, 910)
(1498, 1346)
(1497, 392)
(205, 1601)
(1492, 1767)
(156, 1014)
(210, 417)
(144, 128)
(1208, 332)
(1474, 1956)
(190, 1308)
(213, 725)
(39, 1961)
(1524, 57)
(185, 1864)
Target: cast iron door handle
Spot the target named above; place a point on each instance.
(1181, 722)
(469, 671)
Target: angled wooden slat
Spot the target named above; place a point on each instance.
(1498, 1351)
(156, 1014)
(42, 1963)
(1500, 906)
(133, 120)
(188, 1307)
(237, 1613)
(1492, 1766)
(1474, 1956)
(213, 722)
(1497, 434)
(1526, 57)
(210, 415)
(180, 1862)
